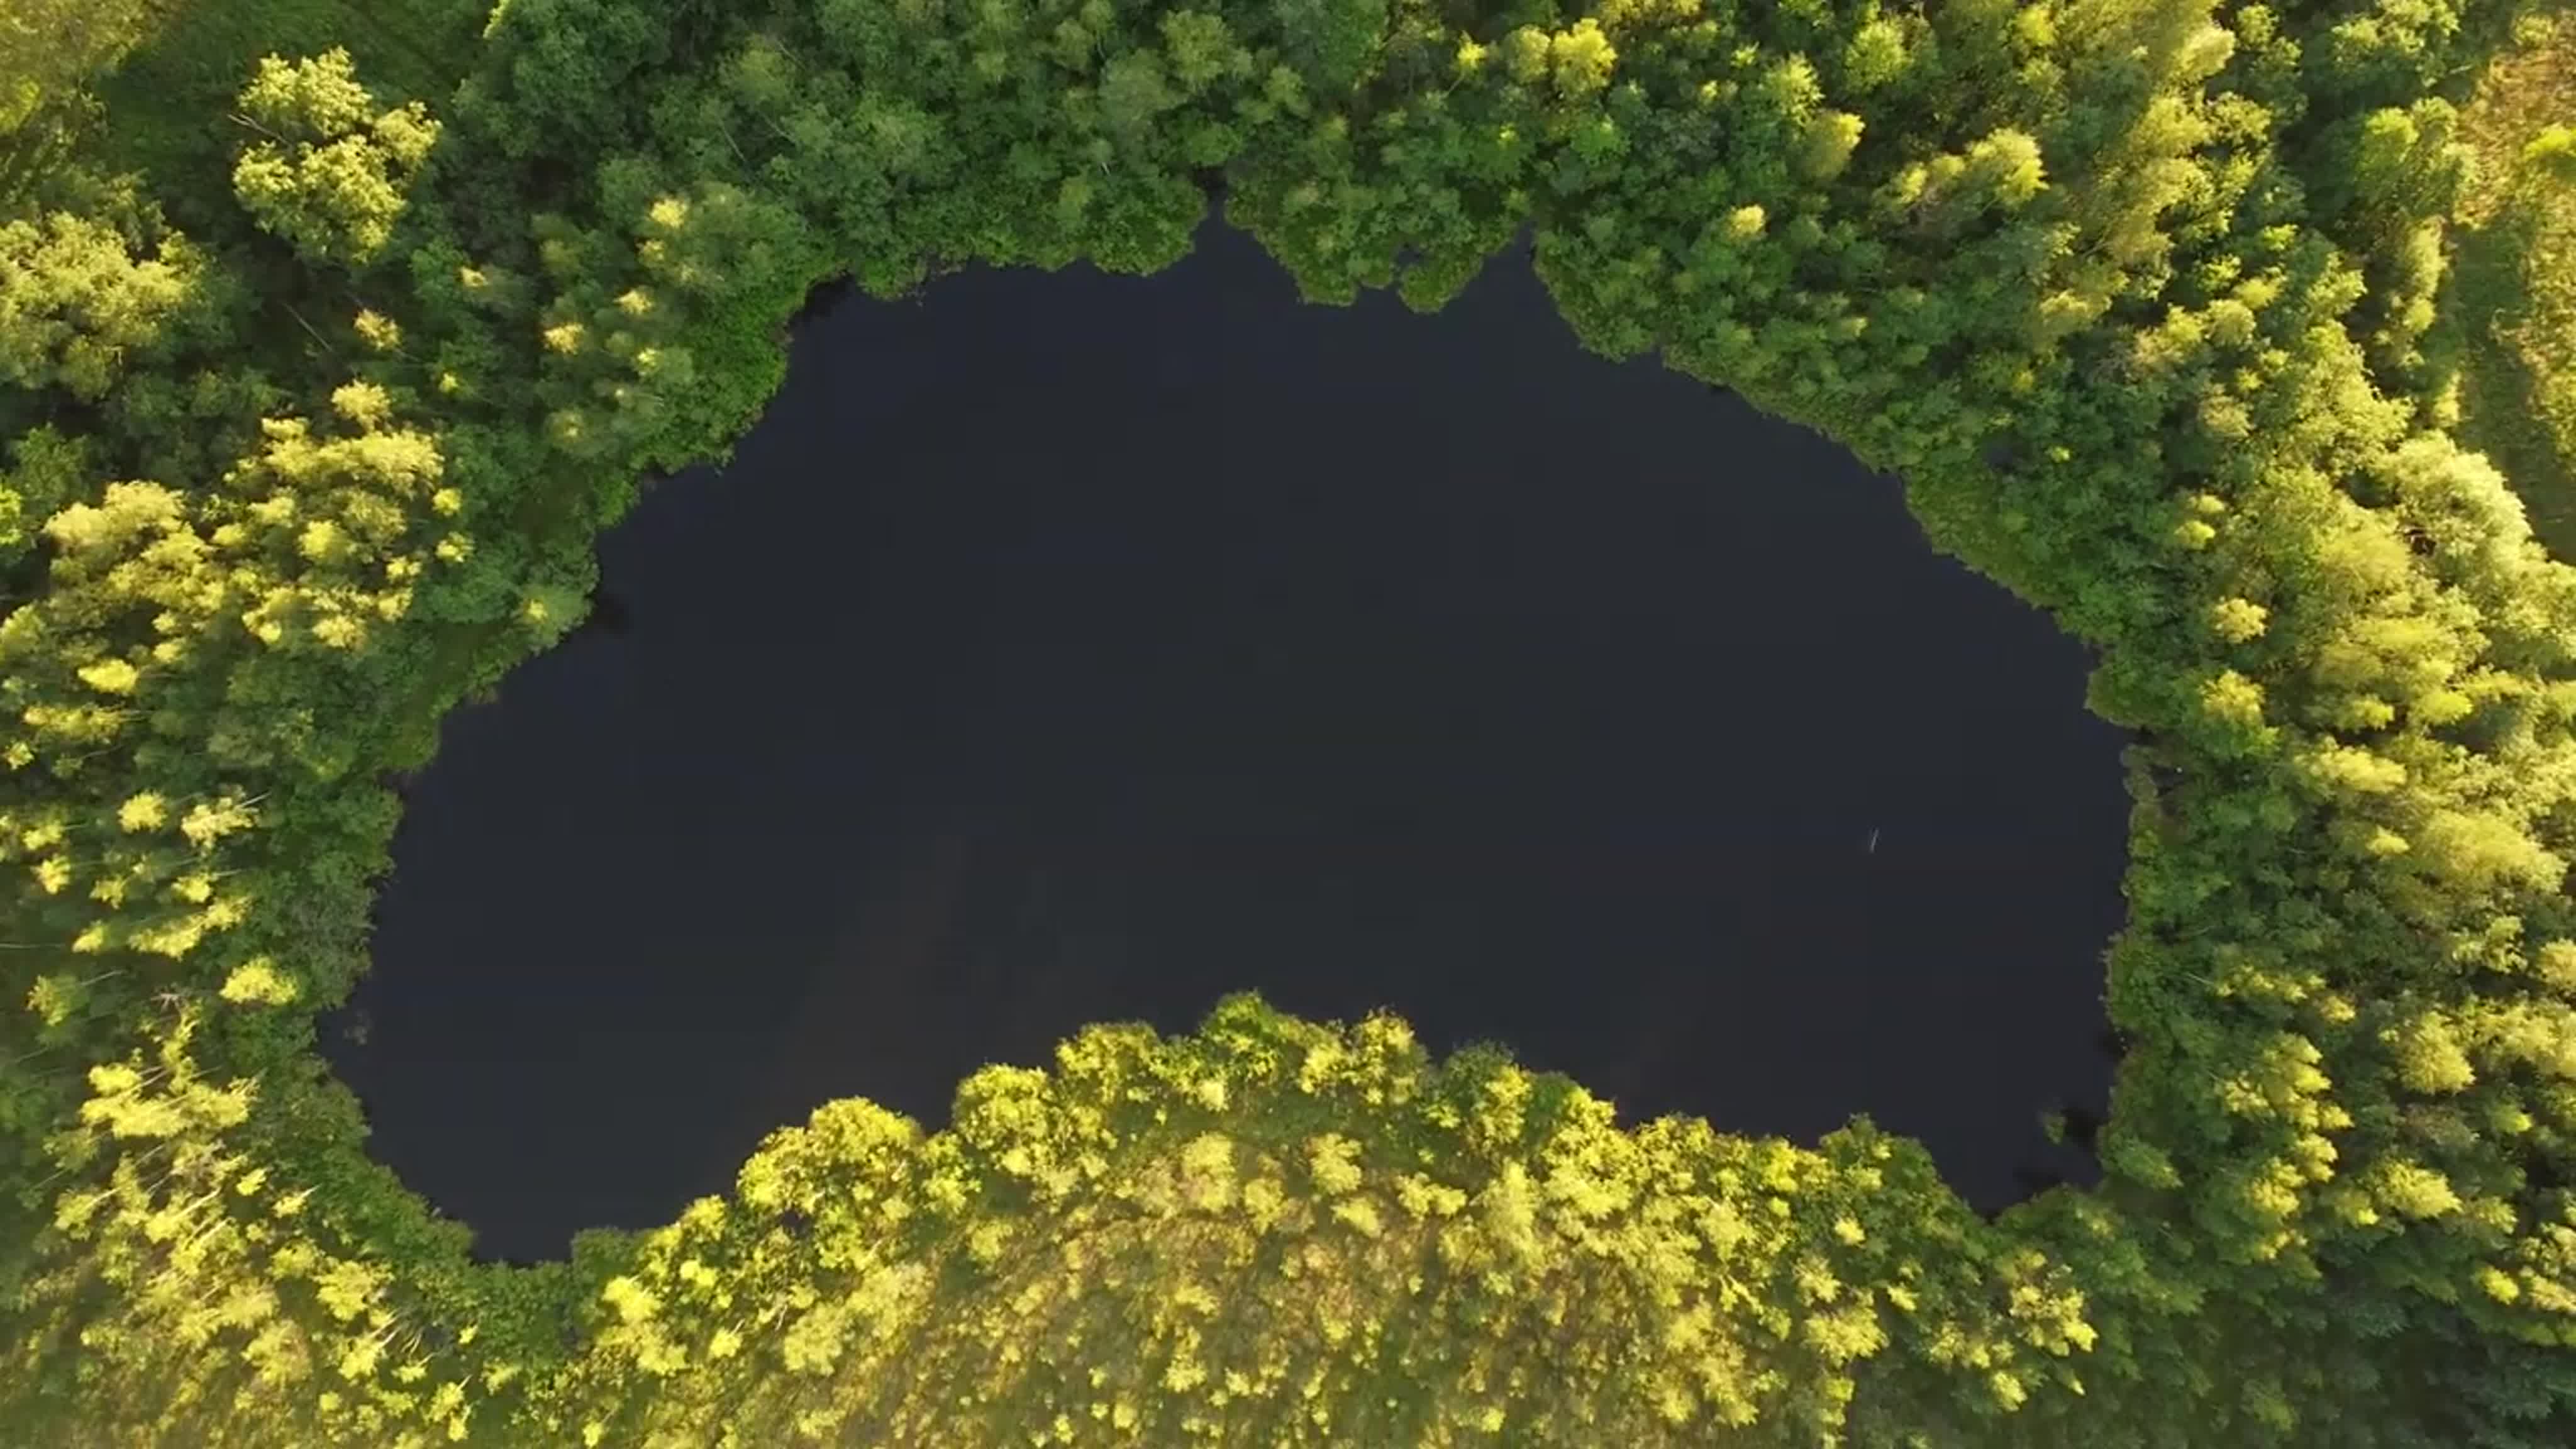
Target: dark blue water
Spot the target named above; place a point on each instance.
(1067, 648)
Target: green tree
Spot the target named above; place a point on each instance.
(78, 306)
(2553, 150)
(330, 173)
(46, 470)
(48, 48)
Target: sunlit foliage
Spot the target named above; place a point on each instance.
(2140, 296)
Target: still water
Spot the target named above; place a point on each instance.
(1069, 648)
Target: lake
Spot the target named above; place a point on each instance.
(1073, 648)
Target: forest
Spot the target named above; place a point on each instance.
(332, 333)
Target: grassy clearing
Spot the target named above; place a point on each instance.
(201, 52)
(2511, 309)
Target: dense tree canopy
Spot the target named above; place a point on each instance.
(2142, 297)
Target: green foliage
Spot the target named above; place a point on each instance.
(329, 172)
(2142, 298)
(2513, 311)
(77, 304)
(2553, 153)
(50, 51)
(172, 96)
(49, 47)
(47, 471)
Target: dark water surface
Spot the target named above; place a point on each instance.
(1068, 648)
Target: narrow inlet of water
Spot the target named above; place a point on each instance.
(1072, 648)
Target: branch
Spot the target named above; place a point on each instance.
(308, 327)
